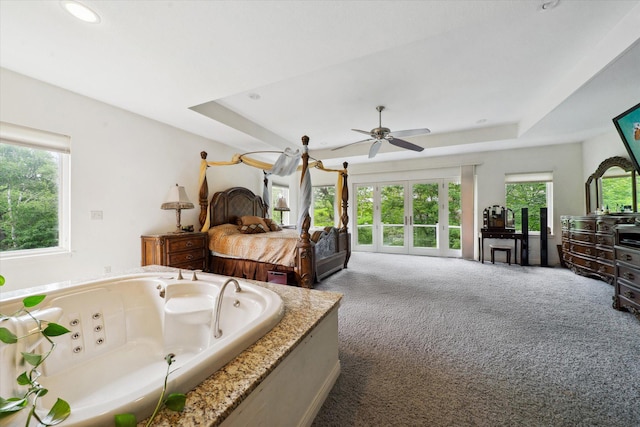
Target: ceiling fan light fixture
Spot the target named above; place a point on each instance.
(549, 4)
(80, 11)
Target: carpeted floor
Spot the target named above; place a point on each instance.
(446, 342)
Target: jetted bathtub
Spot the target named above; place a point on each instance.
(113, 361)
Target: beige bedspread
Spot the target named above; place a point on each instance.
(276, 247)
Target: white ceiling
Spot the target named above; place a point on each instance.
(482, 75)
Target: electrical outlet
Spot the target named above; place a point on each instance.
(97, 215)
(107, 269)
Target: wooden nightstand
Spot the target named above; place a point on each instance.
(182, 250)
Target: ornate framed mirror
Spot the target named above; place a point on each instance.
(613, 186)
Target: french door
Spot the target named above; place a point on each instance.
(414, 217)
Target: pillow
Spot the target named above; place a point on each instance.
(252, 229)
(252, 219)
(250, 224)
(273, 226)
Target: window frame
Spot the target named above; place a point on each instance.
(13, 134)
(531, 178)
(313, 203)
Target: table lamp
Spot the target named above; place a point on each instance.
(281, 206)
(177, 199)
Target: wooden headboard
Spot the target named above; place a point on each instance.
(228, 205)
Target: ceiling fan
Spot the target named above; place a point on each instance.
(380, 134)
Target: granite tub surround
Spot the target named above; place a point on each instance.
(215, 399)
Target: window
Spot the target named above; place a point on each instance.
(278, 191)
(532, 191)
(34, 191)
(323, 206)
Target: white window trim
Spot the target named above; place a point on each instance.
(42, 140)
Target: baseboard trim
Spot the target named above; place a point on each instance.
(318, 401)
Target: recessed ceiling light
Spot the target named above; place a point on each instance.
(80, 11)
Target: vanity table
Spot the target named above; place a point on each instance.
(498, 222)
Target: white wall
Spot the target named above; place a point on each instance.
(595, 150)
(122, 164)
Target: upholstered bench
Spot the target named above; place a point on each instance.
(502, 248)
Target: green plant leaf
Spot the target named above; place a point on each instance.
(32, 358)
(23, 379)
(54, 330)
(176, 401)
(1, 280)
(7, 337)
(126, 420)
(59, 412)
(33, 300)
(12, 404)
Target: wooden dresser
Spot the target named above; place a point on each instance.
(587, 243)
(627, 269)
(180, 250)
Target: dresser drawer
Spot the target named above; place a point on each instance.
(175, 258)
(582, 224)
(189, 242)
(628, 255)
(581, 261)
(582, 249)
(199, 264)
(606, 269)
(629, 274)
(630, 293)
(604, 239)
(604, 254)
(583, 237)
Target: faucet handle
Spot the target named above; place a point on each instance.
(194, 277)
(180, 275)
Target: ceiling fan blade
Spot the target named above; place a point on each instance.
(362, 131)
(351, 143)
(409, 132)
(374, 148)
(404, 144)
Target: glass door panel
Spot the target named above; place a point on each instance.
(455, 216)
(392, 217)
(425, 219)
(364, 217)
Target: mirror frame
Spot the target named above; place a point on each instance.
(617, 161)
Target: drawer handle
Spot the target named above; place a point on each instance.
(627, 257)
(189, 244)
(587, 251)
(189, 257)
(628, 276)
(587, 227)
(587, 264)
(572, 248)
(629, 294)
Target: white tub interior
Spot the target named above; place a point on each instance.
(121, 329)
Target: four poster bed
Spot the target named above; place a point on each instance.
(245, 243)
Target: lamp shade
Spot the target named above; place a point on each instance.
(177, 199)
(281, 204)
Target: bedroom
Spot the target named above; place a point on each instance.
(124, 161)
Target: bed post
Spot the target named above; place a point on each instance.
(203, 195)
(305, 260)
(344, 219)
(265, 191)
